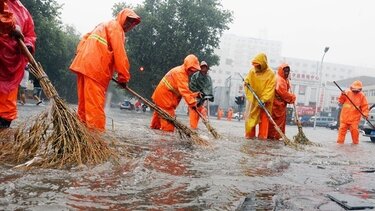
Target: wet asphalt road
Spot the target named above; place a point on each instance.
(160, 172)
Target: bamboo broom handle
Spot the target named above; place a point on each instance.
(27, 53)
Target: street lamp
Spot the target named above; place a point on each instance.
(319, 86)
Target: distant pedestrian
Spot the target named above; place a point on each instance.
(263, 80)
(23, 86)
(230, 114)
(350, 116)
(37, 91)
(220, 113)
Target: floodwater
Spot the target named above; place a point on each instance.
(158, 171)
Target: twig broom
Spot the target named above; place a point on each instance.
(301, 138)
(208, 125)
(182, 129)
(56, 136)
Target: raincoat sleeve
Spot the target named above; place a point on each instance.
(193, 84)
(183, 89)
(208, 88)
(121, 62)
(342, 98)
(248, 93)
(283, 92)
(7, 22)
(269, 91)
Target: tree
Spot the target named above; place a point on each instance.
(54, 45)
(168, 32)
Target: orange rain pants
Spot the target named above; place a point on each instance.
(263, 128)
(8, 105)
(353, 128)
(91, 106)
(194, 116)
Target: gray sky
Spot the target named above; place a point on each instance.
(304, 27)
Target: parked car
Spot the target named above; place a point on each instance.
(237, 116)
(322, 121)
(333, 125)
(368, 130)
(126, 105)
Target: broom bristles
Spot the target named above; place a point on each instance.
(57, 135)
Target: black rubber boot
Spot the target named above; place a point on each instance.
(4, 123)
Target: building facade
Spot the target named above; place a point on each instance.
(310, 81)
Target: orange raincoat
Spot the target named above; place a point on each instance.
(12, 61)
(170, 90)
(220, 113)
(282, 98)
(263, 81)
(99, 53)
(229, 114)
(350, 117)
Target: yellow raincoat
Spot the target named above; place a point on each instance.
(263, 81)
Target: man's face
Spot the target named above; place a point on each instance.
(257, 67)
(129, 24)
(204, 70)
(286, 72)
(356, 91)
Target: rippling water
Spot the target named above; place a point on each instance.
(158, 171)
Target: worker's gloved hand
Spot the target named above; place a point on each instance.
(209, 97)
(30, 48)
(194, 106)
(200, 102)
(261, 104)
(123, 84)
(17, 33)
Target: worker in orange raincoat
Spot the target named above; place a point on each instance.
(99, 53)
(229, 114)
(220, 113)
(350, 116)
(15, 23)
(174, 86)
(282, 98)
(263, 80)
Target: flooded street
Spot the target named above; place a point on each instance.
(158, 171)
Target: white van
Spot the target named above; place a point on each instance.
(322, 121)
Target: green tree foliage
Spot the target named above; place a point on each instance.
(169, 31)
(55, 46)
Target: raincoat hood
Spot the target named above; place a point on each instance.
(356, 85)
(123, 14)
(280, 71)
(261, 59)
(191, 61)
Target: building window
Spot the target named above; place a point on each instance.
(229, 62)
(302, 90)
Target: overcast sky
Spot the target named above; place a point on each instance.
(304, 27)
